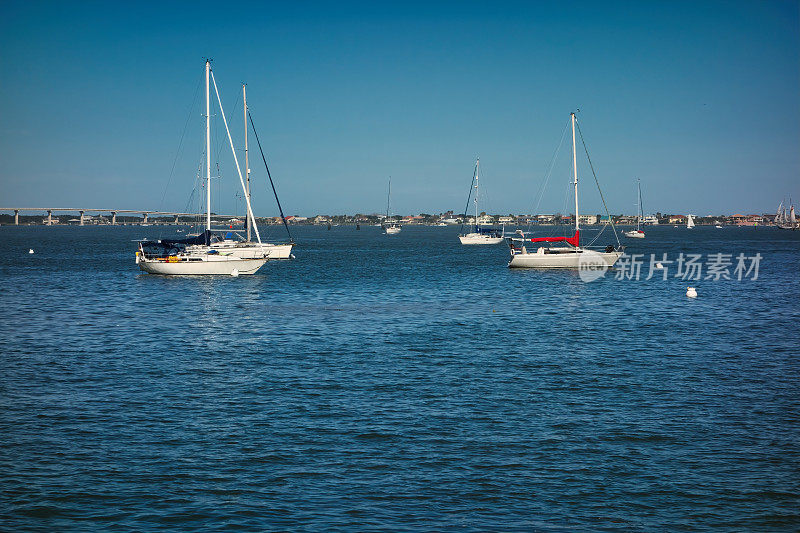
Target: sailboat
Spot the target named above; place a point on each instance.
(637, 233)
(480, 235)
(784, 220)
(212, 251)
(389, 226)
(248, 248)
(689, 221)
(573, 256)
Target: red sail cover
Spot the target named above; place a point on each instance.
(574, 240)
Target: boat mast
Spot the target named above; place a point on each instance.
(640, 213)
(235, 159)
(575, 171)
(477, 172)
(388, 199)
(246, 158)
(208, 147)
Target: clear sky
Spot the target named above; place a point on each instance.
(700, 100)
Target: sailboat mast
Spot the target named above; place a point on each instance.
(246, 158)
(388, 199)
(208, 147)
(640, 214)
(575, 171)
(477, 172)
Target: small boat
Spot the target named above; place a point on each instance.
(479, 235)
(689, 222)
(390, 227)
(718, 226)
(572, 256)
(637, 233)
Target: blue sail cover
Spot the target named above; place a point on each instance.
(494, 232)
(204, 238)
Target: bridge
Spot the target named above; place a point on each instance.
(113, 212)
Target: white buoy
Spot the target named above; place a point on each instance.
(691, 293)
(235, 272)
(30, 251)
(659, 266)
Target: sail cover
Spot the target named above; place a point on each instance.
(203, 238)
(574, 240)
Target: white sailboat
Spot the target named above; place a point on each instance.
(689, 221)
(249, 248)
(480, 235)
(637, 233)
(573, 256)
(784, 220)
(208, 253)
(390, 227)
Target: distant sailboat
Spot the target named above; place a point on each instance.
(637, 233)
(689, 222)
(784, 220)
(480, 235)
(389, 226)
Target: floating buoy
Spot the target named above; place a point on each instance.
(235, 272)
(691, 293)
(30, 251)
(659, 266)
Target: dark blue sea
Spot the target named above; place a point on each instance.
(402, 383)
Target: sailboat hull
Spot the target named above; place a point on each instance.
(211, 266)
(571, 260)
(634, 234)
(255, 250)
(476, 238)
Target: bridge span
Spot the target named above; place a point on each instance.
(112, 212)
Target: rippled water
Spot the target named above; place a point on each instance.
(400, 383)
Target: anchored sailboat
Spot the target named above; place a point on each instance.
(572, 256)
(212, 251)
(784, 220)
(270, 250)
(637, 233)
(390, 227)
(480, 235)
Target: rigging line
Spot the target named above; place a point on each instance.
(180, 144)
(610, 219)
(466, 209)
(548, 174)
(272, 183)
(641, 205)
(602, 229)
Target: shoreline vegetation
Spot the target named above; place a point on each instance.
(422, 219)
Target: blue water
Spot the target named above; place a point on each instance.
(400, 383)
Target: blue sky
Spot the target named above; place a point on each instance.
(700, 100)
